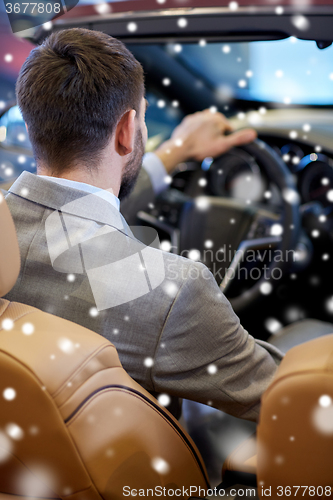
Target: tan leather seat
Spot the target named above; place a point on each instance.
(295, 432)
(73, 424)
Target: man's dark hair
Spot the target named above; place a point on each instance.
(72, 90)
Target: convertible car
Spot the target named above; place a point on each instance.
(261, 216)
(267, 67)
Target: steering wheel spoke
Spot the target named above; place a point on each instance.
(265, 223)
(246, 245)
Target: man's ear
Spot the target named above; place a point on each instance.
(125, 133)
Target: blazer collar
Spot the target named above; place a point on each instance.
(68, 200)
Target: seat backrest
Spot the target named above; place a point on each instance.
(73, 424)
(9, 250)
(295, 433)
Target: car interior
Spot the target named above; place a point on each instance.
(76, 426)
(260, 217)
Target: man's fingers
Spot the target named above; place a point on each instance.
(240, 137)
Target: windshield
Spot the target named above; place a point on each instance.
(289, 71)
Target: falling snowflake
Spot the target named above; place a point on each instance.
(160, 465)
(164, 399)
(266, 288)
(132, 27)
(279, 10)
(8, 58)
(290, 195)
(202, 203)
(182, 22)
(208, 244)
(323, 415)
(276, 230)
(14, 431)
(166, 81)
(300, 22)
(325, 401)
(233, 5)
(148, 362)
(330, 195)
(93, 312)
(293, 314)
(194, 254)
(212, 369)
(314, 280)
(7, 324)
(28, 328)
(273, 325)
(9, 394)
(66, 345)
(170, 288)
(329, 305)
(226, 49)
(102, 8)
(165, 245)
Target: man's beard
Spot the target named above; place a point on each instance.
(132, 168)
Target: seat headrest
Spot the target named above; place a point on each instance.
(9, 250)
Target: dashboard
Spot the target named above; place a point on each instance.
(305, 149)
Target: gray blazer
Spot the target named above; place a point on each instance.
(178, 336)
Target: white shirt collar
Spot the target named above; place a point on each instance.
(88, 188)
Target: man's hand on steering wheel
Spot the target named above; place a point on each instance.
(200, 135)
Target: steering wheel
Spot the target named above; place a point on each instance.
(244, 226)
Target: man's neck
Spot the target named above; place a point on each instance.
(99, 177)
